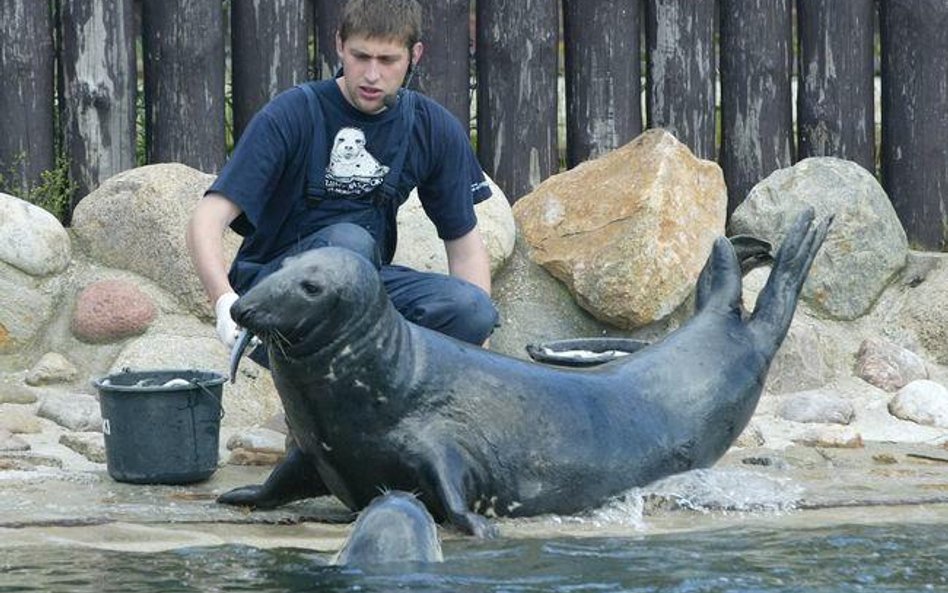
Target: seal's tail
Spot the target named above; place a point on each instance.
(777, 301)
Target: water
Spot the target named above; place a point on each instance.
(859, 558)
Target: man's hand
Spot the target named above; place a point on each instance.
(227, 329)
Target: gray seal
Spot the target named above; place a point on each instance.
(394, 528)
(376, 402)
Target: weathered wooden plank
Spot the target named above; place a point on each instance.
(603, 76)
(444, 71)
(915, 117)
(326, 21)
(269, 53)
(26, 95)
(756, 115)
(835, 98)
(184, 82)
(682, 71)
(98, 55)
(516, 93)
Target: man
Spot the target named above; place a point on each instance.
(329, 163)
(284, 196)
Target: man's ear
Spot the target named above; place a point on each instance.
(416, 51)
(338, 46)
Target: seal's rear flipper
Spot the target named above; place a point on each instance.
(777, 301)
(719, 285)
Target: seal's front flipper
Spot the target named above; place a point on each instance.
(295, 478)
(446, 474)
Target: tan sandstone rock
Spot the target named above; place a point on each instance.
(629, 232)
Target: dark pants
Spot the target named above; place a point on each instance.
(443, 303)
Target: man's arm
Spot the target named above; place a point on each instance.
(205, 242)
(468, 259)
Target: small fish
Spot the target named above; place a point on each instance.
(243, 340)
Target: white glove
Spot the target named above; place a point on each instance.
(227, 329)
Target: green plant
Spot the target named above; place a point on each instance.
(54, 191)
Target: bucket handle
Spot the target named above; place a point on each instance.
(219, 400)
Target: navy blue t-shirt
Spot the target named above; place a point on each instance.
(290, 181)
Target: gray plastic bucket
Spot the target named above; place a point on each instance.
(156, 433)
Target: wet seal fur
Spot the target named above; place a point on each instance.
(375, 401)
(394, 528)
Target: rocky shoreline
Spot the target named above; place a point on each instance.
(854, 414)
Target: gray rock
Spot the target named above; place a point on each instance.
(816, 407)
(19, 419)
(51, 368)
(75, 411)
(926, 310)
(276, 423)
(888, 366)
(751, 437)
(258, 439)
(11, 442)
(90, 445)
(420, 248)
(136, 220)
(32, 239)
(923, 402)
(14, 391)
(25, 309)
(830, 436)
(800, 363)
(866, 247)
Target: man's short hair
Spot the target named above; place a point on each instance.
(398, 20)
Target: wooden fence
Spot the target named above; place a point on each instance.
(684, 50)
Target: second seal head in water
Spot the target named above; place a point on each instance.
(377, 402)
(395, 527)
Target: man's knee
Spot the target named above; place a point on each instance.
(352, 237)
(464, 312)
(481, 318)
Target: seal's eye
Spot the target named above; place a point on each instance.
(311, 288)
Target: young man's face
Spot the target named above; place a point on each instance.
(372, 69)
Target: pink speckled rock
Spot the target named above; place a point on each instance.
(111, 310)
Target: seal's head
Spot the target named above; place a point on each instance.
(316, 298)
(395, 527)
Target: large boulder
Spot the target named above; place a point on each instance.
(34, 248)
(420, 248)
(32, 239)
(866, 246)
(629, 232)
(136, 221)
(926, 308)
(26, 306)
